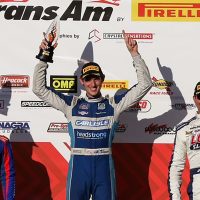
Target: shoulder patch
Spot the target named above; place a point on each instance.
(75, 100)
(183, 124)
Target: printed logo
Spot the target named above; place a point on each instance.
(183, 106)
(92, 123)
(91, 67)
(69, 36)
(101, 106)
(136, 36)
(142, 106)
(65, 84)
(162, 84)
(121, 128)
(84, 106)
(76, 11)
(14, 126)
(82, 113)
(160, 129)
(34, 104)
(195, 141)
(112, 85)
(58, 127)
(7, 81)
(112, 2)
(94, 34)
(173, 10)
(90, 135)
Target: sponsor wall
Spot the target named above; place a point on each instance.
(167, 33)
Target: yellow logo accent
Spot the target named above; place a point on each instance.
(63, 83)
(188, 132)
(162, 84)
(168, 10)
(113, 84)
(91, 67)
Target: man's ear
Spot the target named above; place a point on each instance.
(81, 80)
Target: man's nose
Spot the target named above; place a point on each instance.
(93, 83)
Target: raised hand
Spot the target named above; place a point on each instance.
(131, 44)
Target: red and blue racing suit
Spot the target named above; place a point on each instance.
(7, 169)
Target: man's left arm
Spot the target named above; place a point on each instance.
(137, 92)
(7, 171)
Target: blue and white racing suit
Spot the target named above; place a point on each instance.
(187, 144)
(92, 124)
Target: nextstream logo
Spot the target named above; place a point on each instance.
(76, 11)
(171, 10)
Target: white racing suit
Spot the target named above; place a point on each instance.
(92, 124)
(187, 144)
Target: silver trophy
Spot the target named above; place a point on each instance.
(51, 36)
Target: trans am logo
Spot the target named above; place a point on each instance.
(75, 11)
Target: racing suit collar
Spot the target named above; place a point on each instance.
(93, 100)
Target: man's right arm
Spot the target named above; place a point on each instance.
(53, 98)
(177, 165)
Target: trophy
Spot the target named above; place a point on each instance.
(51, 36)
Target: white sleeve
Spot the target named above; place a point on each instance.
(177, 165)
(56, 100)
(136, 93)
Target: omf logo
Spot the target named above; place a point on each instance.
(65, 84)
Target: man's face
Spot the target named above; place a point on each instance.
(92, 84)
(197, 102)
